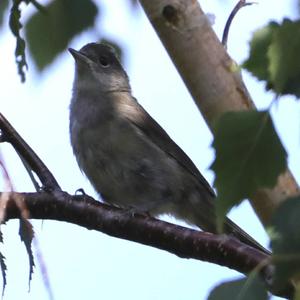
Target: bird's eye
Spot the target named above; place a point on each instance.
(104, 61)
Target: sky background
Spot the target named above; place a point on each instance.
(83, 264)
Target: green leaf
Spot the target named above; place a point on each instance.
(286, 240)
(258, 61)
(16, 26)
(49, 33)
(249, 155)
(240, 289)
(297, 293)
(3, 10)
(3, 272)
(3, 267)
(26, 234)
(274, 57)
(283, 54)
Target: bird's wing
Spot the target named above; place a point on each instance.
(144, 122)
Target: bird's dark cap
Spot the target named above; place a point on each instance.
(96, 52)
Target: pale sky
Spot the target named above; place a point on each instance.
(83, 264)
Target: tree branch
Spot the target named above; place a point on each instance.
(9, 134)
(210, 76)
(184, 242)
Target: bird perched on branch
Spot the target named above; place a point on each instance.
(127, 156)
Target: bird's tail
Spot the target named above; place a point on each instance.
(233, 229)
(202, 214)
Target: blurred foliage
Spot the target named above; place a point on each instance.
(241, 289)
(3, 266)
(49, 33)
(285, 241)
(3, 10)
(274, 57)
(249, 155)
(258, 60)
(50, 29)
(297, 293)
(15, 27)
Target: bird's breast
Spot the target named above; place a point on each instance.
(124, 165)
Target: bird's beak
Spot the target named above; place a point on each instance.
(78, 56)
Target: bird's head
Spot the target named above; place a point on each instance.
(97, 66)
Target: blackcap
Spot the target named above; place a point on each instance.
(127, 156)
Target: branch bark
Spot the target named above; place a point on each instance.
(9, 134)
(212, 78)
(184, 242)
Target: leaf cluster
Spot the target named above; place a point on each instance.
(274, 56)
(250, 156)
(50, 29)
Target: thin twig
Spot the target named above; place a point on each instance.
(10, 135)
(239, 5)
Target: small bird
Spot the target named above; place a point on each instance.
(127, 156)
